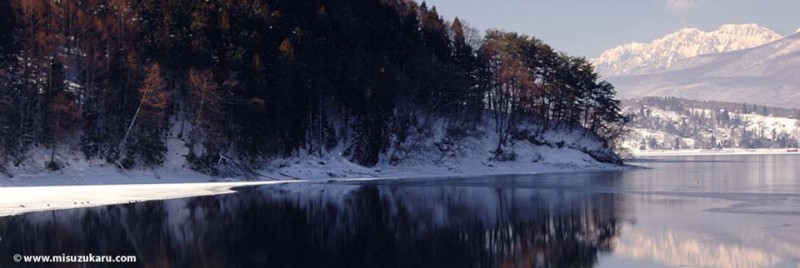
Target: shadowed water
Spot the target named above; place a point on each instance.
(713, 211)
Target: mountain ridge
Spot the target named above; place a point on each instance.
(763, 75)
(662, 53)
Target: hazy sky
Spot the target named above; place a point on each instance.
(589, 27)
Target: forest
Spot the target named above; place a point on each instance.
(241, 82)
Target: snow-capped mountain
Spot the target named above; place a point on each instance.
(639, 58)
(766, 75)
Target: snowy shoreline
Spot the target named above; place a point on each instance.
(24, 199)
(41, 193)
(30, 186)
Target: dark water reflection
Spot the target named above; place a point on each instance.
(347, 226)
(709, 211)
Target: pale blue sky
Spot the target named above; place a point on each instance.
(588, 27)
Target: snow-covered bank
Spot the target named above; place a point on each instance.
(17, 200)
(317, 168)
(699, 152)
(30, 186)
(31, 198)
(531, 160)
(96, 186)
(434, 155)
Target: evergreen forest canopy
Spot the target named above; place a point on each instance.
(246, 81)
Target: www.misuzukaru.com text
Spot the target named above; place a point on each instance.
(65, 258)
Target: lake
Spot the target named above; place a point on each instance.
(693, 211)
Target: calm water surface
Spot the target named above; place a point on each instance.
(703, 211)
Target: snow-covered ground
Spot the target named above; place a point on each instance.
(104, 186)
(83, 183)
(530, 160)
(17, 200)
(561, 150)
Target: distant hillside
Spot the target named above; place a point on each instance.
(674, 123)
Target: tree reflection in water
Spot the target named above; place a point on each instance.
(370, 226)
